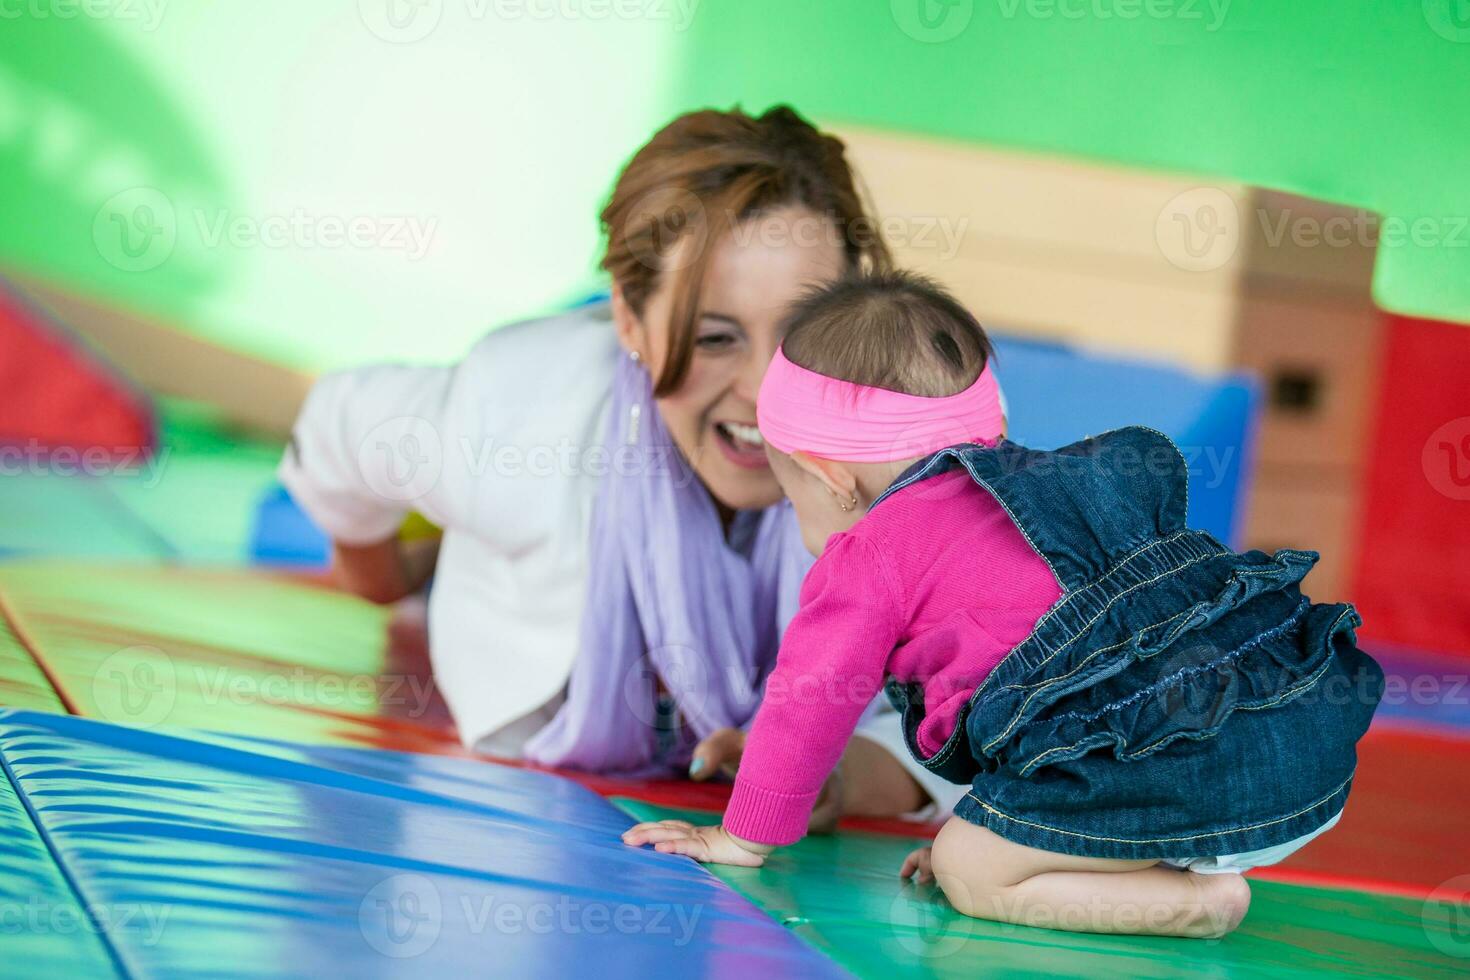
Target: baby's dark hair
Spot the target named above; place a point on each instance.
(895, 330)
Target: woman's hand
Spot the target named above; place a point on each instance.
(720, 753)
(919, 863)
(709, 845)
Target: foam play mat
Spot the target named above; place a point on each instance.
(208, 762)
(215, 762)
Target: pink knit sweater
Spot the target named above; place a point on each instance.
(935, 585)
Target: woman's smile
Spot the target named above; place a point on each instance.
(742, 444)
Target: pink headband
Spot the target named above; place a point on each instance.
(799, 409)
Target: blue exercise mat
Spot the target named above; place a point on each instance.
(214, 855)
(1057, 395)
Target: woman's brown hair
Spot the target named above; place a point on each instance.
(705, 173)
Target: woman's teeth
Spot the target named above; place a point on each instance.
(743, 436)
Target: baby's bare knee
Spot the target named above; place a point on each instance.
(968, 870)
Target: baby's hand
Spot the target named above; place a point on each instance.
(710, 845)
(918, 861)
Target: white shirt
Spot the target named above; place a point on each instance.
(504, 452)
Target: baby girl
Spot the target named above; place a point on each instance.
(1141, 713)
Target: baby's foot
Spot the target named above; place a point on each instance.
(1223, 900)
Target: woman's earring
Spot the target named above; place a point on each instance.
(635, 410)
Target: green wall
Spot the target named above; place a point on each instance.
(314, 182)
(208, 161)
(1361, 103)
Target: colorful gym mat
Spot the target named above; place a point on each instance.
(263, 854)
(139, 854)
(842, 894)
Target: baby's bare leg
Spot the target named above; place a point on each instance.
(988, 877)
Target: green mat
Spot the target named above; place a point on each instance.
(842, 894)
(194, 502)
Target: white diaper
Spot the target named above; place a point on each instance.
(1243, 862)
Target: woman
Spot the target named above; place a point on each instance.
(617, 562)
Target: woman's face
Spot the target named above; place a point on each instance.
(751, 278)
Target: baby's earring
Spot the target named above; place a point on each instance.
(848, 507)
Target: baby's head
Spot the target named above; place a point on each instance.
(838, 441)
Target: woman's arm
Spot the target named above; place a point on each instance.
(368, 447)
(384, 571)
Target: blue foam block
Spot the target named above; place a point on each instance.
(245, 857)
(283, 535)
(1056, 395)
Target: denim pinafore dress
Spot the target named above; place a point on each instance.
(1179, 698)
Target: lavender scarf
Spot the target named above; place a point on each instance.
(669, 599)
